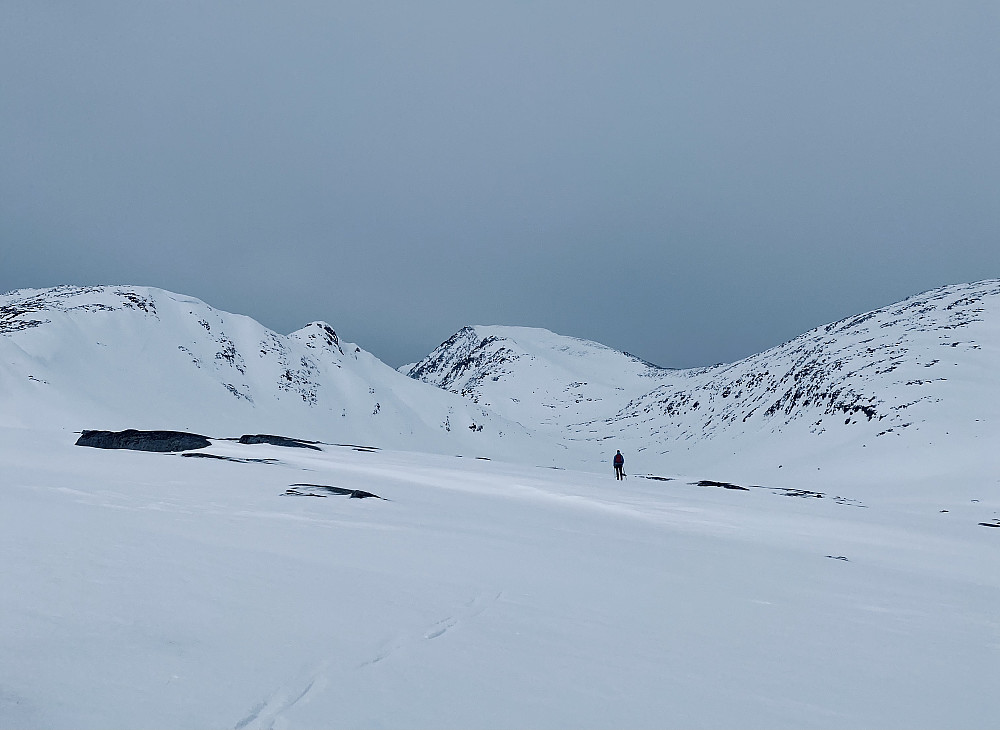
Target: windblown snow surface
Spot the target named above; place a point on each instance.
(499, 581)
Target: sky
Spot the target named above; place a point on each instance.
(691, 182)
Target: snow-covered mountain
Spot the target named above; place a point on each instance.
(536, 376)
(250, 588)
(118, 357)
(907, 375)
(885, 389)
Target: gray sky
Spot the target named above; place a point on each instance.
(691, 182)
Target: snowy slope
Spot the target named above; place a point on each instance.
(926, 359)
(154, 590)
(118, 357)
(893, 381)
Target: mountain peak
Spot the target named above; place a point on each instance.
(319, 334)
(518, 369)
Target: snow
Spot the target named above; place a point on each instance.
(121, 357)
(158, 590)
(903, 387)
(501, 581)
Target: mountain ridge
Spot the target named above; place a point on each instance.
(118, 357)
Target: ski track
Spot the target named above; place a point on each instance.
(468, 610)
(269, 712)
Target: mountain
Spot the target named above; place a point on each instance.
(889, 390)
(536, 376)
(115, 357)
(893, 381)
(830, 559)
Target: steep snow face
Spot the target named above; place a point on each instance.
(893, 381)
(135, 357)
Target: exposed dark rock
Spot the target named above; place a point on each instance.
(995, 523)
(659, 479)
(808, 494)
(324, 490)
(837, 557)
(783, 491)
(724, 485)
(161, 441)
(323, 334)
(368, 449)
(263, 438)
(464, 357)
(230, 458)
(798, 493)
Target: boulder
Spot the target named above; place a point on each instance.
(162, 441)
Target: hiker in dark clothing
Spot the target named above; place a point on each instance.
(619, 462)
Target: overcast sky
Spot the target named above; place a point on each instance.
(692, 182)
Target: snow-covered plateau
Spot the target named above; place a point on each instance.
(807, 538)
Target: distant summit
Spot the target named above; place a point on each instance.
(536, 376)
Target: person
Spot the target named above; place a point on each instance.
(619, 462)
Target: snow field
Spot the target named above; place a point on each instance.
(159, 590)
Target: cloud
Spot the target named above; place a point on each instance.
(690, 182)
